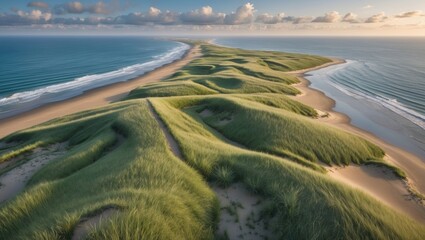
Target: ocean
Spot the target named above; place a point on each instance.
(35, 71)
(381, 87)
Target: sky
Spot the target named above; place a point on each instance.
(203, 17)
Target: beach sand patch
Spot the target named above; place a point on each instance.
(383, 184)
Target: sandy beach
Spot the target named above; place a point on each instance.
(377, 182)
(91, 99)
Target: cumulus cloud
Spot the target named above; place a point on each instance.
(244, 14)
(71, 7)
(350, 18)
(83, 21)
(38, 5)
(329, 17)
(25, 18)
(270, 19)
(78, 8)
(152, 16)
(368, 6)
(99, 8)
(300, 20)
(380, 17)
(203, 16)
(410, 14)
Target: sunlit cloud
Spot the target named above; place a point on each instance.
(301, 20)
(244, 14)
(79, 8)
(368, 6)
(266, 18)
(83, 15)
(20, 17)
(203, 16)
(329, 17)
(38, 5)
(350, 18)
(380, 17)
(410, 14)
(152, 16)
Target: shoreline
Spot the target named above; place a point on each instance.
(353, 175)
(92, 98)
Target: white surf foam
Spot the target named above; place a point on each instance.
(29, 99)
(390, 103)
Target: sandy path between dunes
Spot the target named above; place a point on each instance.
(367, 178)
(91, 99)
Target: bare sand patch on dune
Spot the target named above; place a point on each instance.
(90, 223)
(206, 113)
(14, 181)
(240, 213)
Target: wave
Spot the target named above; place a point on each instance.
(389, 103)
(24, 101)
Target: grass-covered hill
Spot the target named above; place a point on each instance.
(229, 113)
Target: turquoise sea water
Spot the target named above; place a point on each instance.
(381, 87)
(38, 70)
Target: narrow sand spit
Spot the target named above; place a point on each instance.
(93, 98)
(87, 224)
(393, 191)
(240, 214)
(14, 181)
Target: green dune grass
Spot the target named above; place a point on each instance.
(229, 113)
(304, 203)
(156, 195)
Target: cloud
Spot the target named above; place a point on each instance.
(203, 16)
(83, 21)
(410, 14)
(270, 19)
(380, 17)
(243, 15)
(152, 16)
(38, 5)
(99, 8)
(25, 18)
(350, 18)
(300, 20)
(329, 17)
(79, 8)
(71, 7)
(368, 6)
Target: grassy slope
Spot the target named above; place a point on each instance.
(157, 195)
(305, 204)
(160, 197)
